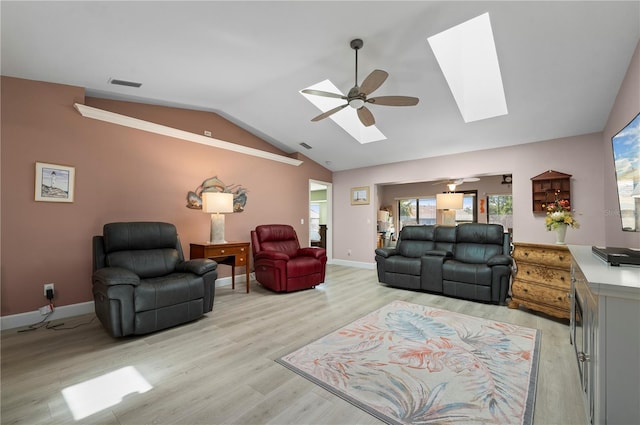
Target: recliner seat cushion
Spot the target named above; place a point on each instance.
(404, 265)
(303, 266)
(167, 290)
(478, 274)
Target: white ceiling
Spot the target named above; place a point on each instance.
(562, 64)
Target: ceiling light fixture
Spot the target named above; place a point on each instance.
(356, 103)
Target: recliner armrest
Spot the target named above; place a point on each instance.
(499, 260)
(386, 252)
(197, 266)
(110, 276)
(270, 255)
(312, 252)
(439, 253)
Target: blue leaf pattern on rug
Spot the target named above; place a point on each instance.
(412, 364)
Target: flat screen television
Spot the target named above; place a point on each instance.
(626, 156)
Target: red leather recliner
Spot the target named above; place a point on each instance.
(279, 262)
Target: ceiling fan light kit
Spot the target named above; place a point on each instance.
(357, 96)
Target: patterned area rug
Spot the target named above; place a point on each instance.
(411, 364)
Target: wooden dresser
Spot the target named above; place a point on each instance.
(543, 278)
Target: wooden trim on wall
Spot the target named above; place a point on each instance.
(112, 117)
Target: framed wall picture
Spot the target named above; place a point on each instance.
(360, 195)
(54, 183)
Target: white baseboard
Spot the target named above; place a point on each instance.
(358, 264)
(226, 281)
(31, 317)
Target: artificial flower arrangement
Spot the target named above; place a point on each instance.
(559, 212)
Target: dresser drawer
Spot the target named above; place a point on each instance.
(222, 251)
(541, 255)
(551, 276)
(540, 294)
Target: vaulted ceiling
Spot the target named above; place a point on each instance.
(561, 62)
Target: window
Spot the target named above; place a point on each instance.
(469, 211)
(314, 221)
(423, 210)
(417, 211)
(500, 210)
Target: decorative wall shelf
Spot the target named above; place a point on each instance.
(545, 186)
(112, 117)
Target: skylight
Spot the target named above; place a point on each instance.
(346, 118)
(468, 59)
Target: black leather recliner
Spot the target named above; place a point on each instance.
(141, 282)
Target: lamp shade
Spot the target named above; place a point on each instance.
(449, 201)
(217, 202)
(383, 215)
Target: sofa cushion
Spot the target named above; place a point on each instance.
(480, 233)
(477, 274)
(477, 243)
(445, 238)
(415, 241)
(403, 265)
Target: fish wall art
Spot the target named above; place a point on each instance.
(214, 184)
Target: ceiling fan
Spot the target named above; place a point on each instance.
(452, 183)
(357, 96)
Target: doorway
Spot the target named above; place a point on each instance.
(320, 216)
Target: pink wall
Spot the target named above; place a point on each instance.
(626, 107)
(122, 174)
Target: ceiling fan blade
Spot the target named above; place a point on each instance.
(329, 112)
(394, 100)
(323, 93)
(373, 81)
(366, 117)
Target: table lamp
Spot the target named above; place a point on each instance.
(448, 202)
(217, 204)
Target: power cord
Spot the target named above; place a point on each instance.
(47, 325)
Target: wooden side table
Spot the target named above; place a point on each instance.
(543, 280)
(231, 253)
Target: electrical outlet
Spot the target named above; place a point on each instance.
(48, 286)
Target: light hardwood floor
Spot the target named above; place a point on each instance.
(221, 369)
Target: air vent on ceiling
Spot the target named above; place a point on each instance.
(125, 83)
(304, 145)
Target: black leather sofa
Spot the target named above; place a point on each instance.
(141, 282)
(471, 260)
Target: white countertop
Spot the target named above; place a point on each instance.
(604, 279)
